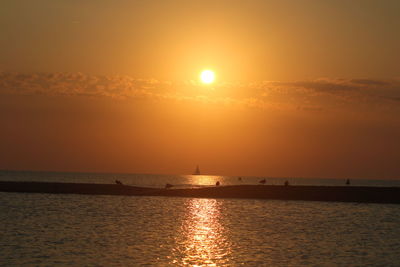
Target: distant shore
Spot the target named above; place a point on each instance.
(361, 194)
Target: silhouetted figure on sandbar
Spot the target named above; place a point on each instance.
(239, 178)
(348, 181)
(118, 182)
(217, 183)
(286, 183)
(168, 186)
(263, 181)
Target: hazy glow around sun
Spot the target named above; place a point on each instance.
(207, 76)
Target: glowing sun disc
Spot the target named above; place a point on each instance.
(207, 76)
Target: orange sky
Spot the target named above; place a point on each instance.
(304, 88)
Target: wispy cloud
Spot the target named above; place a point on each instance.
(78, 84)
(324, 94)
(308, 96)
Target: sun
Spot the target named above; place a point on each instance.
(207, 76)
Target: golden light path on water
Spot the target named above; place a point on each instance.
(203, 180)
(202, 239)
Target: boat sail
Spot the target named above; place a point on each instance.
(197, 171)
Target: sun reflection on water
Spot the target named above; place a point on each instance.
(202, 239)
(203, 180)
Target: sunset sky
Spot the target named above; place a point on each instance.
(302, 89)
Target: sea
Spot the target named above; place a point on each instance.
(96, 230)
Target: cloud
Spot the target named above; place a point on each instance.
(344, 88)
(77, 84)
(318, 95)
(369, 82)
(397, 99)
(324, 85)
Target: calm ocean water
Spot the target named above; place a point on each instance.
(81, 230)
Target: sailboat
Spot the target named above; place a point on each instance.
(197, 171)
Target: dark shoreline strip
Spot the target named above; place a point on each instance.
(308, 193)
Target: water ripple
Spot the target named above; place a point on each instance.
(45, 229)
